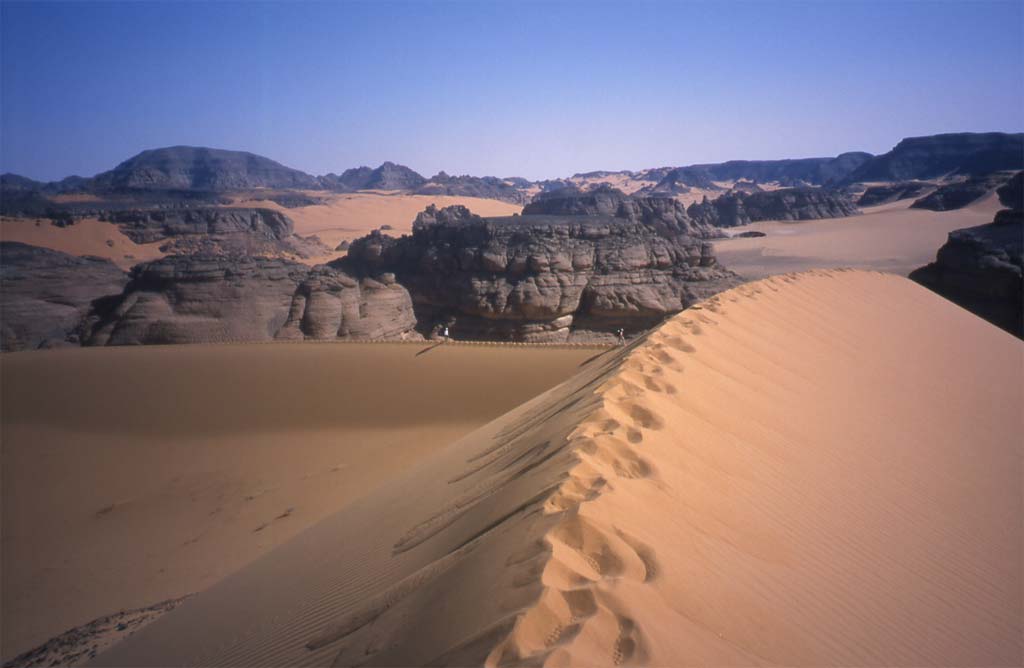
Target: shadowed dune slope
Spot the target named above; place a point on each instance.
(814, 469)
(136, 474)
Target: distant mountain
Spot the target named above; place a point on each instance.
(490, 187)
(12, 182)
(198, 168)
(962, 154)
(388, 176)
(812, 171)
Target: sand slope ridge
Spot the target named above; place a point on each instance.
(820, 468)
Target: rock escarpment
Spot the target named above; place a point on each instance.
(488, 187)
(965, 153)
(957, 195)
(45, 293)
(208, 298)
(893, 192)
(215, 230)
(547, 277)
(798, 204)
(738, 208)
(982, 269)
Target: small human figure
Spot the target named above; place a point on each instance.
(622, 336)
(445, 333)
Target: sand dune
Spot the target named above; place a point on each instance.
(348, 216)
(814, 469)
(135, 475)
(890, 237)
(85, 237)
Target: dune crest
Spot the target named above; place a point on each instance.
(819, 468)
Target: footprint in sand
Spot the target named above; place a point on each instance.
(594, 552)
(610, 453)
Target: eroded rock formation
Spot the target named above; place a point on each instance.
(546, 277)
(982, 269)
(216, 230)
(197, 299)
(45, 293)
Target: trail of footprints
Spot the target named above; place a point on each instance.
(584, 551)
(579, 554)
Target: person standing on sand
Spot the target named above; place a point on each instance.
(622, 336)
(445, 333)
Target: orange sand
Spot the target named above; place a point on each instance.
(134, 475)
(890, 237)
(815, 469)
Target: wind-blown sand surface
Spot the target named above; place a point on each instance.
(135, 475)
(820, 469)
(347, 216)
(86, 237)
(890, 237)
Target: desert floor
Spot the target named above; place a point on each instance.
(347, 216)
(890, 237)
(812, 469)
(342, 218)
(135, 475)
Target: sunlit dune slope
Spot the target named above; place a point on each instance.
(815, 469)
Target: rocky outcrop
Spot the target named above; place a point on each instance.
(488, 187)
(1011, 194)
(662, 213)
(388, 176)
(966, 154)
(982, 269)
(45, 293)
(798, 204)
(811, 171)
(215, 230)
(679, 181)
(724, 211)
(893, 192)
(961, 193)
(331, 304)
(737, 208)
(547, 277)
(198, 299)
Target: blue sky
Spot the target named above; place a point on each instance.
(505, 88)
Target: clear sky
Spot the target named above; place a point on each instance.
(498, 88)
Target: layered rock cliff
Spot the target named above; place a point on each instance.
(207, 298)
(45, 293)
(216, 230)
(982, 269)
(739, 208)
(893, 192)
(546, 277)
(957, 195)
